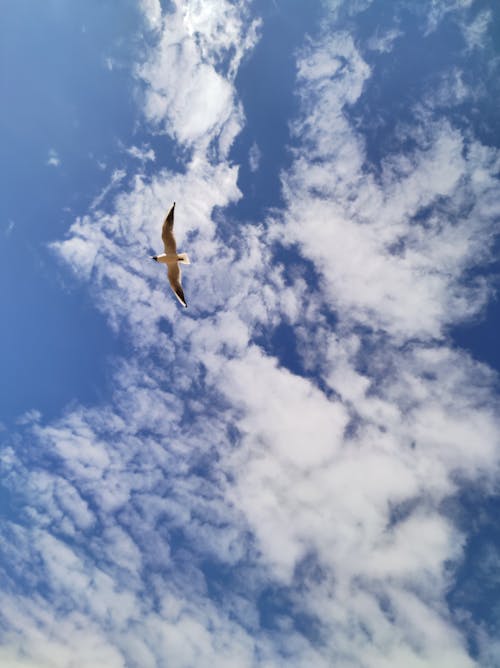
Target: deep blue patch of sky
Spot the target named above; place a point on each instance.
(277, 607)
(68, 102)
(480, 338)
(477, 585)
(266, 85)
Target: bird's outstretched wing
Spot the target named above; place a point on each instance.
(174, 278)
(167, 232)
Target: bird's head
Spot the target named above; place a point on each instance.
(154, 257)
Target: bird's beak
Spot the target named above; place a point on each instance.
(153, 257)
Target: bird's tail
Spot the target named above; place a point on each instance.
(183, 258)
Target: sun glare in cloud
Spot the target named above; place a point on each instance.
(223, 505)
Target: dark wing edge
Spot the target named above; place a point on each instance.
(179, 293)
(174, 278)
(167, 232)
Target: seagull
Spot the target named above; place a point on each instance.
(171, 258)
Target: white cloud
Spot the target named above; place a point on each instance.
(144, 154)
(152, 12)
(438, 9)
(475, 32)
(9, 227)
(450, 89)
(254, 157)
(409, 292)
(53, 160)
(189, 84)
(116, 178)
(30, 416)
(384, 42)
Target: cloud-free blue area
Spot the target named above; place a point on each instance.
(53, 344)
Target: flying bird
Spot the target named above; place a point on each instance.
(171, 258)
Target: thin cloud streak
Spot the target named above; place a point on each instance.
(53, 160)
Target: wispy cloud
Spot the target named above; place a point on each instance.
(53, 160)
(475, 32)
(116, 178)
(30, 417)
(254, 157)
(9, 228)
(384, 42)
(438, 9)
(110, 63)
(144, 154)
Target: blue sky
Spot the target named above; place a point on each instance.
(302, 468)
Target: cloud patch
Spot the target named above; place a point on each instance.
(53, 159)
